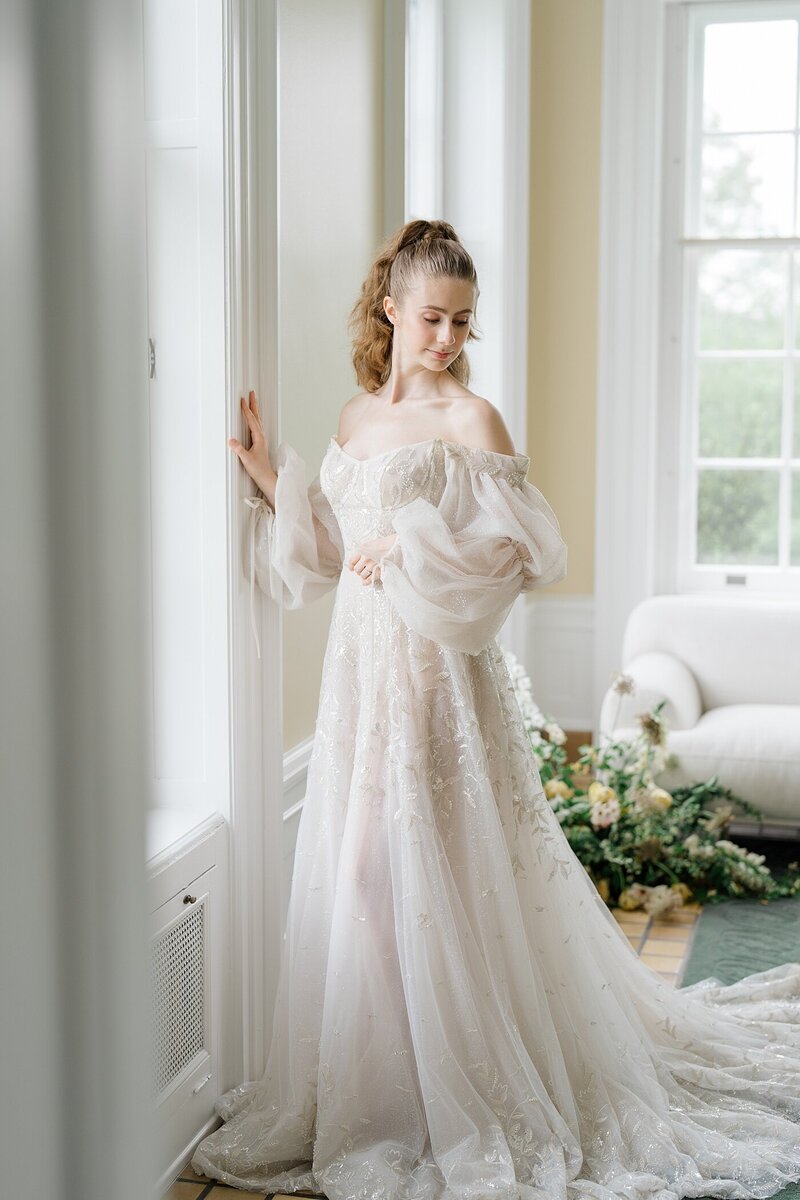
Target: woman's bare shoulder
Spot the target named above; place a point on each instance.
(481, 424)
(472, 420)
(352, 411)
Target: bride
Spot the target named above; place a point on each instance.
(458, 1014)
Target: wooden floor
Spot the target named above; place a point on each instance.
(662, 944)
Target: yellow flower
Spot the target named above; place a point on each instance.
(600, 793)
(558, 787)
(629, 900)
(683, 888)
(660, 798)
(604, 888)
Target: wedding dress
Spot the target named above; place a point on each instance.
(458, 1015)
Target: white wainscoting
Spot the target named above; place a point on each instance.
(560, 640)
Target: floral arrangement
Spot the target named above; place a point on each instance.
(644, 847)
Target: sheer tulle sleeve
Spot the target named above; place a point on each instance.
(456, 568)
(296, 548)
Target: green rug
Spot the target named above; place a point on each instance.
(737, 937)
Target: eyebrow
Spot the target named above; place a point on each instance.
(444, 310)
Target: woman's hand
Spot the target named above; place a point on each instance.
(363, 560)
(256, 460)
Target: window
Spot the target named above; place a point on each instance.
(739, 247)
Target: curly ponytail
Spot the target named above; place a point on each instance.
(419, 247)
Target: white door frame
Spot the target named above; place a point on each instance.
(251, 189)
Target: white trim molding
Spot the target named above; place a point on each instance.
(628, 332)
(516, 249)
(251, 100)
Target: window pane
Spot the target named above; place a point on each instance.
(749, 75)
(748, 185)
(794, 551)
(739, 409)
(737, 517)
(742, 300)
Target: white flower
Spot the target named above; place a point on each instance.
(719, 818)
(659, 759)
(622, 683)
(604, 813)
(662, 899)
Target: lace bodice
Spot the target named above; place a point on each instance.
(471, 534)
(365, 493)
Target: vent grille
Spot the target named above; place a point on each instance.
(178, 996)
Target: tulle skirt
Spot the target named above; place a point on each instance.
(458, 1014)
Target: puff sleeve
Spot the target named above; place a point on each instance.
(296, 548)
(455, 568)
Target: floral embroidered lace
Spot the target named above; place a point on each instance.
(458, 1014)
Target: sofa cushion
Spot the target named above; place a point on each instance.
(754, 749)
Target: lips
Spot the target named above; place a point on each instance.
(446, 354)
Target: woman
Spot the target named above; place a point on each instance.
(458, 1013)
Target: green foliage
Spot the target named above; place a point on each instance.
(638, 841)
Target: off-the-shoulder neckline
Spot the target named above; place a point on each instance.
(478, 450)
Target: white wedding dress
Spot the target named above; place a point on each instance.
(458, 1014)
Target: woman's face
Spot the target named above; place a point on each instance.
(434, 321)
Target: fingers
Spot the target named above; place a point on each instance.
(252, 410)
(255, 457)
(252, 414)
(357, 562)
(253, 419)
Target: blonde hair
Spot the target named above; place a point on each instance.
(420, 247)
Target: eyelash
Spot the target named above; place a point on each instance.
(435, 321)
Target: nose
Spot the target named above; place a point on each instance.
(448, 341)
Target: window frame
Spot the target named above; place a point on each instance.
(681, 253)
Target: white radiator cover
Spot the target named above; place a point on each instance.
(189, 959)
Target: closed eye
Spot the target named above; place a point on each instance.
(435, 321)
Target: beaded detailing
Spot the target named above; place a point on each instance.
(458, 1015)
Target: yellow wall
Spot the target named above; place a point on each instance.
(331, 206)
(566, 77)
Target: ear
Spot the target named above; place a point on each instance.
(389, 308)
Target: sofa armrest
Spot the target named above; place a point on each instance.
(657, 676)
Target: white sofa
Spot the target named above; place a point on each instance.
(729, 669)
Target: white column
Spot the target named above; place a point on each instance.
(628, 308)
(74, 1037)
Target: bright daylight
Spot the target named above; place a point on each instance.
(401, 683)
